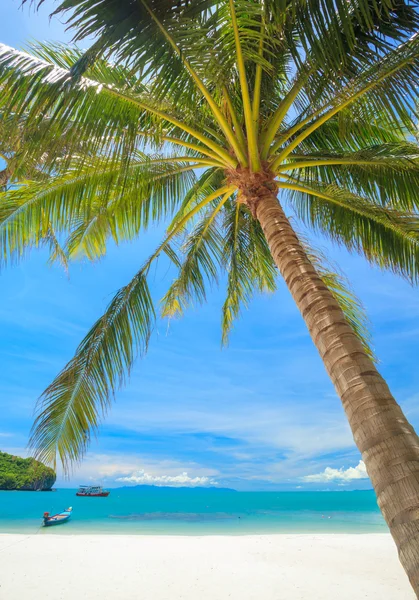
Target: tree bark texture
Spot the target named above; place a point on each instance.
(386, 440)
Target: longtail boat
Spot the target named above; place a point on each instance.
(57, 519)
(92, 491)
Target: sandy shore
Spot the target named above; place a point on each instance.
(268, 567)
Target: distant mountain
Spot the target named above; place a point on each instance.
(26, 474)
(174, 488)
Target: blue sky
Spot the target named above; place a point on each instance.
(261, 414)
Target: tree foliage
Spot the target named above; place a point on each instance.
(18, 473)
(167, 119)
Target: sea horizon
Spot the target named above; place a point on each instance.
(160, 510)
(200, 488)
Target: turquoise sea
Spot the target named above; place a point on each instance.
(194, 512)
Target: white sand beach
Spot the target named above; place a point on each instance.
(253, 567)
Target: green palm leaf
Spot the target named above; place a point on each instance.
(388, 173)
(202, 250)
(126, 195)
(384, 236)
(71, 407)
(179, 115)
(248, 263)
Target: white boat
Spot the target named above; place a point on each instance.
(95, 491)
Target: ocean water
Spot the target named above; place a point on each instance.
(193, 512)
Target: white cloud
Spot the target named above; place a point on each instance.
(110, 469)
(329, 474)
(141, 477)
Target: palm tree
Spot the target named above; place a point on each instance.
(210, 118)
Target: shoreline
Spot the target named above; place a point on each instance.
(158, 567)
(178, 533)
(95, 534)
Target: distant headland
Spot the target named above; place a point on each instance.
(24, 474)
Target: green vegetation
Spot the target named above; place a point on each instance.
(18, 473)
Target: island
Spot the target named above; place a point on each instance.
(25, 474)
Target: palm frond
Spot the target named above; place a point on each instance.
(72, 406)
(388, 174)
(384, 236)
(206, 184)
(108, 120)
(348, 131)
(129, 195)
(57, 252)
(202, 250)
(248, 262)
(339, 36)
(102, 71)
(387, 86)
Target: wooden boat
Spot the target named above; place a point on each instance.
(58, 518)
(94, 491)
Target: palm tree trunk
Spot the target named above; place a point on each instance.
(4, 177)
(386, 440)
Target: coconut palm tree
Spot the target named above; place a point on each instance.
(211, 117)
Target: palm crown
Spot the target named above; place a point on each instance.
(204, 105)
